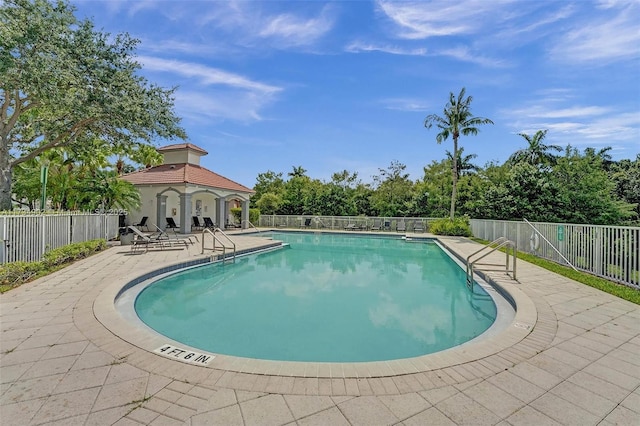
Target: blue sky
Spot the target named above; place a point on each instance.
(266, 85)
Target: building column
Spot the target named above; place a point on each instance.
(245, 214)
(161, 210)
(222, 212)
(185, 213)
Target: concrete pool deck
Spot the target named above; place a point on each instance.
(570, 357)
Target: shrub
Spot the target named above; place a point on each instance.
(459, 227)
(15, 273)
(254, 214)
(71, 252)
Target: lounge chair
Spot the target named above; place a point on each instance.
(171, 224)
(143, 223)
(307, 223)
(418, 226)
(162, 235)
(351, 227)
(196, 224)
(377, 225)
(142, 240)
(401, 226)
(208, 223)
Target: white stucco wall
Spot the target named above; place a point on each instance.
(148, 197)
(181, 157)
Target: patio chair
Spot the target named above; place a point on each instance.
(418, 226)
(351, 227)
(171, 224)
(208, 223)
(387, 225)
(401, 226)
(196, 224)
(143, 223)
(307, 223)
(377, 225)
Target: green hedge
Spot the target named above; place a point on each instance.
(458, 227)
(17, 273)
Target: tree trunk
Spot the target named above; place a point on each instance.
(454, 176)
(5, 179)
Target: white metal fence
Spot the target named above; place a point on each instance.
(611, 252)
(26, 237)
(341, 222)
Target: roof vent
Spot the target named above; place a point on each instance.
(172, 166)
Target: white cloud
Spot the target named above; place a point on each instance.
(357, 46)
(252, 25)
(546, 20)
(132, 8)
(206, 75)
(539, 111)
(291, 30)
(577, 125)
(216, 106)
(612, 37)
(420, 20)
(174, 46)
(607, 4)
(463, 53)
(615, 127)
(405, 104)
(224, 95)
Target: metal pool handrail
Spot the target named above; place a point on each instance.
(250, 224)
(224, 247)
(501, 242)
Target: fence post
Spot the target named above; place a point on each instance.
(3, 248)
(43, 234)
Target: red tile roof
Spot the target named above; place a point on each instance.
(181, 146)
(167, 174)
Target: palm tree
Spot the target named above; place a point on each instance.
(297, 171)
(602, 155)
(537, 153)
(456, 120)
(464, 163)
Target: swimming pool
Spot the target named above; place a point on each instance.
(326, 298)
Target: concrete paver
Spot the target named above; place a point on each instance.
(367, 410)
(576, 364)
(463, 410)
(332, 416)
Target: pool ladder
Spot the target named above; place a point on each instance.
(499, 243)
(224, 247)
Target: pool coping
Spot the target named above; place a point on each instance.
(138, 345)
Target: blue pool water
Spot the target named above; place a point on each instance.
(325, 298)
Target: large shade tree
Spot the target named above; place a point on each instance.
(62, 82)
(456, 120)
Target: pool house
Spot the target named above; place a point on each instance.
(181, 189)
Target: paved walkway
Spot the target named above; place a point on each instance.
(571, 356)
